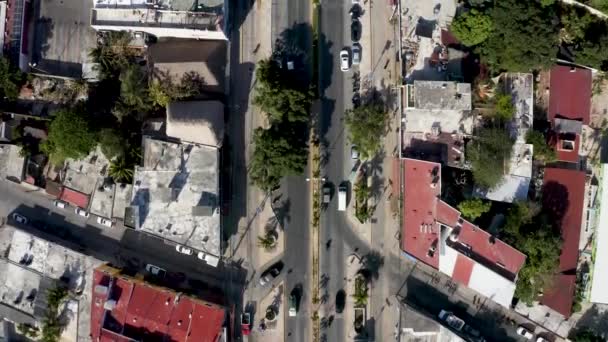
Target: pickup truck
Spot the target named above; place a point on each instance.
(451, 320)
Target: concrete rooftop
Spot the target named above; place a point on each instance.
(440, 95)
(82, 175)
(176, 193)
(31, 266)
(11, 163)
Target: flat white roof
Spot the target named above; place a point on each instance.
(492, 285)
(600, 276)
(176, 194)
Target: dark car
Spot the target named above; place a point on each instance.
(340, 301)
(355, 31)
(271, 273)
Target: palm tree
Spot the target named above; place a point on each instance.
(120, 170)
(267, 241)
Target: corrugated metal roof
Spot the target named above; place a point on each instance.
(570, 93)
(563, 200)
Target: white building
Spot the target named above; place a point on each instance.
(203, 19)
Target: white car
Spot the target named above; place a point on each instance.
(344, 60)
(104, 222)
(183, 250)
(81, 212)
(527, 334)
(60, 204)
(356, 2)
(20, 218)
(541, 339)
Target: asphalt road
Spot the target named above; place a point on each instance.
(293, 18)
(337, 239)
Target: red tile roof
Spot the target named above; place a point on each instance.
(142, 309)
(420, 231)
(463, 269)
(563, 197)
(74, 197)
(492, 250)
(422, 210)
(446, 214)
(570, 93)
(559, 297)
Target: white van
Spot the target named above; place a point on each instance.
(342, 190)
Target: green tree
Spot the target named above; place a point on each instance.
(472, 28)
(367, 126)
(528, 229)
(575, 22)
(586, 335)
(267, 241)
(524, 37)
(112, 54)
(159, 95)
(70, 136)
(133, 89)
(474, 208)
(11, 80)
(112, 143)
(360, 294)
(275, 155)
(593, 52)
(503, 108)
(51, 325)
(489, 154)
(121, 170)
(541, 150)
(362, 194)
(546, 3)
(277, 95)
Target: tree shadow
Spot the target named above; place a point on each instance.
(372, 263)
(281, 212)
(593, 319)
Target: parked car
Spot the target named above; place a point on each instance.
(293, 310)
(326, 193)
(356, 2)
(155, 270)
(104, 221)
(451, 320)
(355, 31)
(527, 334)
(356, 50)
(245, 323)
(471, 331)
(344, 60)
(541, 339)
(271, 273)
(60, 204)
(354, 152)
(20, 218)
(81, 212)
(184, 250)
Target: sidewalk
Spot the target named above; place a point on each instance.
(275, 331)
